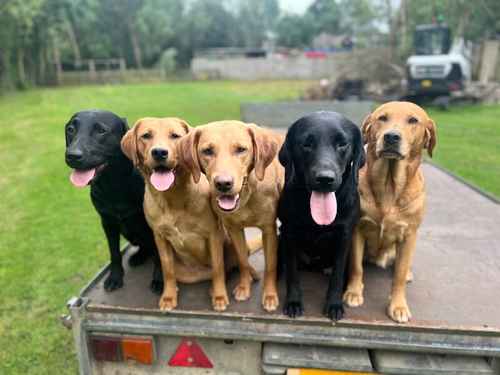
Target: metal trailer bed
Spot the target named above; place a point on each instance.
(454, 298)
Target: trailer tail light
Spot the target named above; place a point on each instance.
(140, 350)
(190, 354)
(119, 348)
(454, 86)
(106, 348)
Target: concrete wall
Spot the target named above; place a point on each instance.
(278, 66)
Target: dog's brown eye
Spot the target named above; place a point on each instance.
(412, 120)
(342, 146)
(70, 130)
(383, 118)
(146, 136)
(207, 151)
(174, 136)
(100, 128)
(240, 149)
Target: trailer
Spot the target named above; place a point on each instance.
(455, 301)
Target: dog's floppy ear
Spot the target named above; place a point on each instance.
(65, 133)
(358, 153)
(124, 124)
(365, 127)
(264, 150)
(129, 144)
(430, 136)
(188, 146)
(65, 126)
(185, 125)
(285, 157)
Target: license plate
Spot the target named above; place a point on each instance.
(298, 371)
(426, 83)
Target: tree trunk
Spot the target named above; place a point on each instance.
(74, 42)
(404, 25)
(3, 70)
(136, 48)
(392, 30)
(42, 67)
(21, 71)
(463, 21)
(57, 61)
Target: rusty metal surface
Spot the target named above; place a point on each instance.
(456, 286)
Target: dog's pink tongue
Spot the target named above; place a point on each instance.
(227, 202)
(323, 207)
(162, 180)
(81, 178)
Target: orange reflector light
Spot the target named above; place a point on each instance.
(324, 372)
(139, 349)
(190, 354)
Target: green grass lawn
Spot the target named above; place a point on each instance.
(469, 144)
(50, 238)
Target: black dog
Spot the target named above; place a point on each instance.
(322, 154)
(116, 188)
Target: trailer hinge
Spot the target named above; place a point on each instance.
(65, 319)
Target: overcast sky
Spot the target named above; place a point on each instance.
(295, 6)
(299, 6)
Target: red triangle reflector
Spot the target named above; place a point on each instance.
(190, 354)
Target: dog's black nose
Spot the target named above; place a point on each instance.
(74, 155)
(325, 178)
(224, 183)
(159, 154)
(392, 138)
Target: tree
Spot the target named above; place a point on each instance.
(257, 19)
(123, 21)
(207, 24)
(330, 16)
(325, 16)
(294, 31)
(157, 23)
(18, 18)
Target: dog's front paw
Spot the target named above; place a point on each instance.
(353, 298)
(294, 306)
(270, 301)
(242, 291)
(399, 311)
(138, 258)
(114, 280)
(293, 309)
(334, 310)
(220, 302)
(168, 301)
(409, 276)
